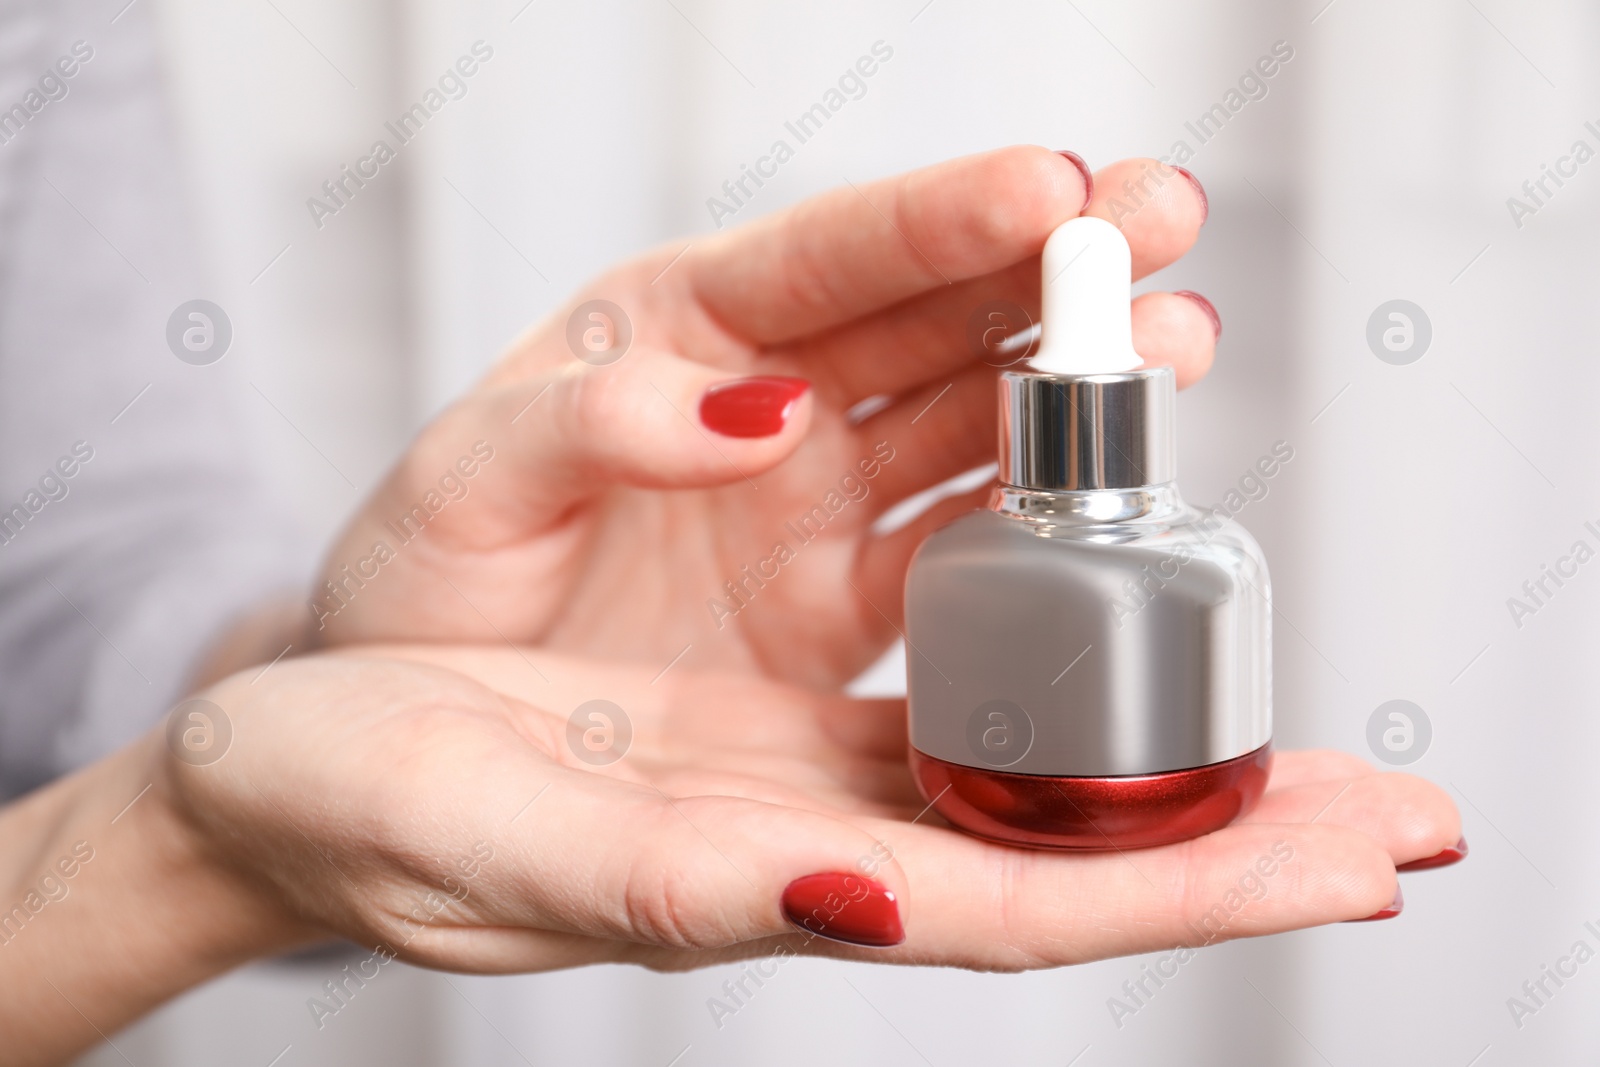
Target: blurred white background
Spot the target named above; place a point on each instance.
(1421, 496)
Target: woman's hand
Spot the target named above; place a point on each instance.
(433, 803)
(694, 496)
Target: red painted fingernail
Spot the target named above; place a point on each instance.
(1208, 307)
(1441, 859)
(1395, 908)
(1200, 191)
(1083, 169)
(844, 907)
(751, 407)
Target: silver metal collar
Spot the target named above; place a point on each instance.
(1092, 431)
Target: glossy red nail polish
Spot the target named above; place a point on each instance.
(1443, 858)
(1200, 191)
(844, 907)
(751, 407)
(1395, 907)
(1208, 307)
(1083, 169)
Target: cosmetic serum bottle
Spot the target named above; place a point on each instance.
(1089, 658)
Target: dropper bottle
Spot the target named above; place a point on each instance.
(1089, 658)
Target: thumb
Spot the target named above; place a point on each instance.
(658, 421)
(652, 874)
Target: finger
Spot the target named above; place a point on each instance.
(880, 570)
(1300, 766)
(1169, 329)
(1017, 909)
(1157, 209)
(875, 729)
(494, 482)
(1410, 817)
(948, 425)
(657, 421)
(626, 863)
(860, 248)
(917, 340)
(1172, 330)
(937, 431)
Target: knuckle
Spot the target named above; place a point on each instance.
(663, 903)
(808, 280)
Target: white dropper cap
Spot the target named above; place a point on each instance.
(1088, 321)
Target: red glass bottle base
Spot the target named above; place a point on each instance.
(1132, 811)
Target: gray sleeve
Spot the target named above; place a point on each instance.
(133, 527)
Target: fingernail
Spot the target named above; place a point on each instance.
(844, 907)
(1083, 169)
(1441, 859)
(1208, 307)
(751, 407)
(1200, 191)
(1395, 908)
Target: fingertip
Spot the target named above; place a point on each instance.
(1395, 905)
(1005, 203)
(662, 421)
(1426, 822)
(1085, 175)
(1199, 192)
(1207, 308)
(1298, 767)
(1409, 817)
(1156, 207)
(1173, 330)
(1443, 858)
(1328, 874)
(757, 406)
(1359, 874)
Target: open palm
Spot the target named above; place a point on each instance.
(433, 802)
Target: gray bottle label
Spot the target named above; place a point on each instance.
(1133, 653)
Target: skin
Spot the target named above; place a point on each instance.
(578, 566)
(863, 292)
(356, 783)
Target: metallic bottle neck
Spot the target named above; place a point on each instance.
(1068, 433)
(1092, 507)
